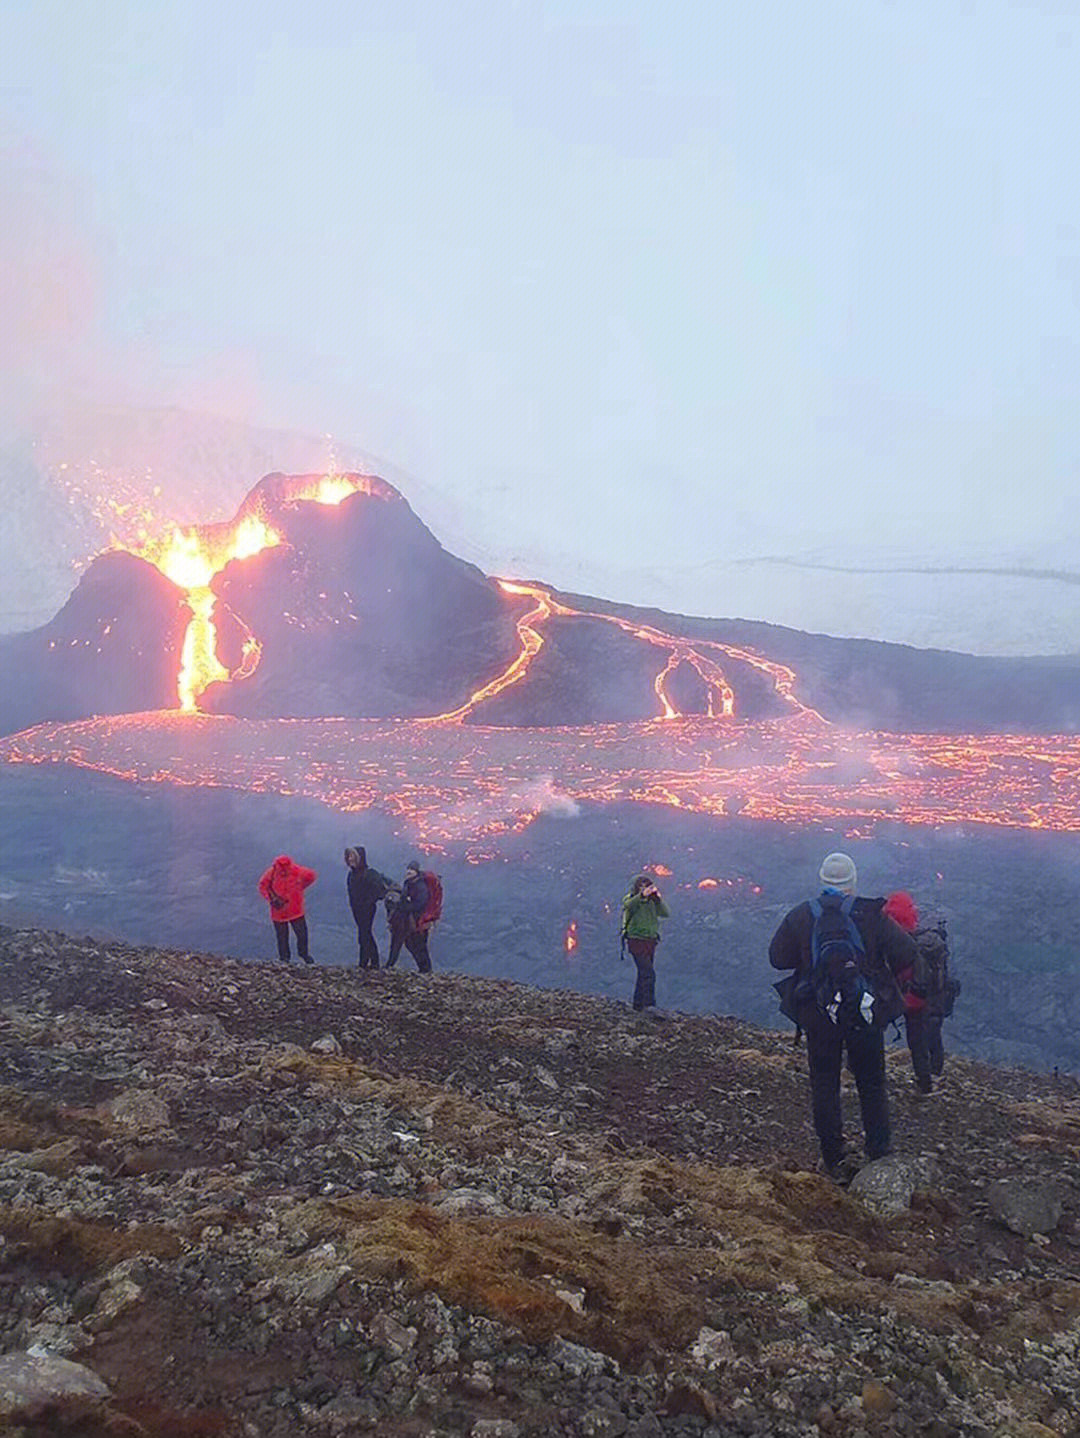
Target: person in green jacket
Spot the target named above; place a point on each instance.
(642, 910)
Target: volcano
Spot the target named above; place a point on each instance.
(327, 597)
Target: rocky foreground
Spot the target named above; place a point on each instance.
(243, 1200)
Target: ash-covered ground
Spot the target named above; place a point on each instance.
(259, 1201)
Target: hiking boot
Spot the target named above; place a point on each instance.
(308, 959)
(924, 1087)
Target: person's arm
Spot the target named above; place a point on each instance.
(662, 909)
(784, 949)
(897, 945)
(264, 883)
(307, 876)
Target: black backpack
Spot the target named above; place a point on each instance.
(837, 979)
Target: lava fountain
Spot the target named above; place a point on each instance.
(191, 558)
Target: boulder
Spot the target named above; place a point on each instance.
(31, 1384)
(886, 1185)
(1026, 1206)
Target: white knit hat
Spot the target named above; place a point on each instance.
(839, 872)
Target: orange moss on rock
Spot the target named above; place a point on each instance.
(78, 1247)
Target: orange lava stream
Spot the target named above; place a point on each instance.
(532, 641)
(721, 696)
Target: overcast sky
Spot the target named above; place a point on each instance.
(639, 286)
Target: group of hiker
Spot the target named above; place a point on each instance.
(857, 965)
(412, 907)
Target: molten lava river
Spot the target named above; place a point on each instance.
(450, 779)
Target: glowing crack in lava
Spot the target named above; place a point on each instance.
(570, 943)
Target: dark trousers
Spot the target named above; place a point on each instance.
(642, 952)
(865, 1046)
(369, 949)
(924, 1041)
(415, 940)
(281, 933)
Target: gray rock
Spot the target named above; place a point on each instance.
(495, 1428)
(577, 1359)
(116, 1298)
(29, 1384)
(328, 1044)
(470, 1200)
(388, 1333)
(1026, 1206)
(886, 1185)
(138, 1110)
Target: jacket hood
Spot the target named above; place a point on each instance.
(900, 907)
(283, 862)
(360, 852)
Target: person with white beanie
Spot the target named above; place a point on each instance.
(844, 953)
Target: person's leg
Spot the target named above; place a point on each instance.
(397, 938)
(281, 934)
(369, 949)
(916, 1028)
(866, 1055)
(300, 930)
(824, 1049)
(647, 974)
(417, 945)
(934, 1044)
(641, 951)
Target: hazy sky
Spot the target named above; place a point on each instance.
(639, 285)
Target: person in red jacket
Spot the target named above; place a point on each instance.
(282, 886)
(921, 983)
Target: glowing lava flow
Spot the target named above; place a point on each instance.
(191, 558)
(532, 641)
(720, 695)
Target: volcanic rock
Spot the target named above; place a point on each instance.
(1026, 1206)
(887, 1184)
(30, 1384)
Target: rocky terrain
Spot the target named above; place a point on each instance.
(244, 1200)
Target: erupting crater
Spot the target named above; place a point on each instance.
(193, 557)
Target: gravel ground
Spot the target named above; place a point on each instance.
(276, 1201)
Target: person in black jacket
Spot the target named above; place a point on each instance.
(405, 928)
(365, 886)
(833, 1029)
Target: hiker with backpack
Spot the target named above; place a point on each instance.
(365, 886)
(929, 993)
(282, 886)
(642, 910)
(418, 908)
(845, 953)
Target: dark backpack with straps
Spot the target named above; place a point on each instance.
(837, 979)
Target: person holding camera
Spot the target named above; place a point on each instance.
(642, 910)
(282, 886)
